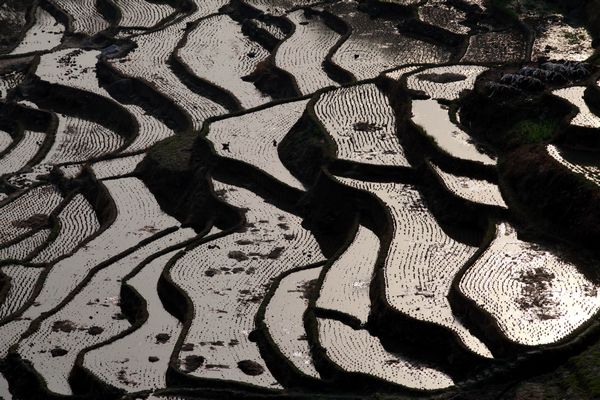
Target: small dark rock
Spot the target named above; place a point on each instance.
(162, 338)
(192, 363)
(250, 367)
(58, 352)
(95, 330)
(63, 326)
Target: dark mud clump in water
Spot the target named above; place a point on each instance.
(237, 255)
(187, 347)
(95, 330)
(162, 338)
(192, 363)
(447, 77)
(63, 326)
(58, 352)
(366, 127)
(250, 367)
(310, 289)
(34, 222)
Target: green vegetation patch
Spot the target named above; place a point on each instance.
(533, 131)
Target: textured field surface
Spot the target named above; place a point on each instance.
(253, 138)
(303, 53)
(516, 282)
(376, 45)
(433, 117)
(346, 285)
(362, 124)
(221, 281)
(296, 199)
(475, 190)
(45, 34)
(358, 351)
(418, 271)
(216, 50)
(284, 317)
(84, 17)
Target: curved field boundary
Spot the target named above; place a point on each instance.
(281, 320)
(25, 248)
(92, 316)
(365, 58)
(269, 249)
(254, 138)
(23, 280)
(113, 362)
(585, 118)
(518, 283)
(346, 285)
(143, 14)
(227, 57)
(303, 53)
(82, 15)
(459, 78)
(347, 116)
(77, 221)
(44, 35)
(417, 275)
(477, 191)
(152, 65)
(19, 216)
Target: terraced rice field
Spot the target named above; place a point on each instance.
(362, 124)
(376, 45)
(516, 278)
(276, 199)
(220, 281)
(305, 51)
(131, 227)
(84, 18)
(142, 14)
(358, 352)
(116, 167)
(22, 281)
(78, 70)
(278, 7)
(45, 34)
(5, 141)
(91, 317)
(496, 47)
(28, 211)
(149, 62)
(559, 40)
(434, 119)
(474, 190)
(284, 319)
(79, 140)
(253, 138)
(139, 360)
(585, 117)
(418, 273)
(77, 222)
(439, 14)
(445, 82)
(345, 288)
(10, 81)
(17, 157)
(24, 248)
(227, 57)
